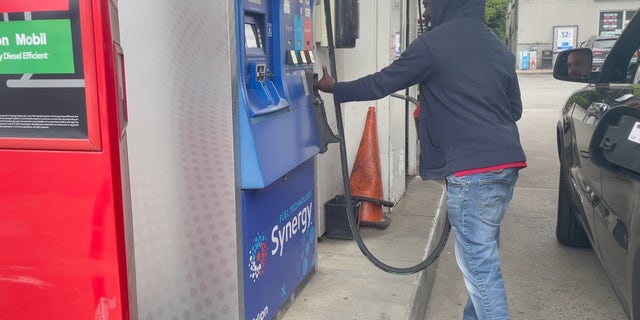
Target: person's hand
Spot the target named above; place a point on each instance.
(326, 83)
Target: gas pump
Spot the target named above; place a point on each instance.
(64, 198)
(278, 139)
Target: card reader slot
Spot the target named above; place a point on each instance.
(263, 95)
(278, 103)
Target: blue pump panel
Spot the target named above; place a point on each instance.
(279, 241)
(278, 140)
(277, 122)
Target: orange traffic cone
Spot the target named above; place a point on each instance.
(365, 180)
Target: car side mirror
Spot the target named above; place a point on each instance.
(615, 144)
(574, 65)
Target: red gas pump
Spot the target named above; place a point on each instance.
(65, 216)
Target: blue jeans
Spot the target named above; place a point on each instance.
(476, 204)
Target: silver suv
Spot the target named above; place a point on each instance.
(600, 46)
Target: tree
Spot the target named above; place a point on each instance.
(496, 17)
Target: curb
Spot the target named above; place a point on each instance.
(417, 309)
(534, 72)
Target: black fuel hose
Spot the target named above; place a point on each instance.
(352, 223)
(345, 179)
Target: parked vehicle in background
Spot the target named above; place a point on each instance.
(598, 138)
(600, 47)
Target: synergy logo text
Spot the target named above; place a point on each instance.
(293, 220)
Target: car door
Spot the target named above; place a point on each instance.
(620, 197)
(620, 201)
(585, 175)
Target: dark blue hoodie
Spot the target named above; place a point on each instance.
(469, 91)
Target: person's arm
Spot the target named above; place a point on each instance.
(413, 66)
(515, 100)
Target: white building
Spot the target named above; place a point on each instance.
(541, 27)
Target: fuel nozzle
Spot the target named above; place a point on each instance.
(325, 133)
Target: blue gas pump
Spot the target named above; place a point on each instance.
(278, 139)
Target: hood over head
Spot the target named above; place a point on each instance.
(448, 10)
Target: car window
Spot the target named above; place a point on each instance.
(633, 72)
(604, 43)
(621, 64)
(633, 67)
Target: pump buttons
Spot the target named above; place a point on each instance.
(300, 57)
(303, 57)
(310, 57)
(292, 57)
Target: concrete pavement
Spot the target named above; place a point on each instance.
(347, 286)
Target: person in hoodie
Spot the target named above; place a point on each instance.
(470, 102)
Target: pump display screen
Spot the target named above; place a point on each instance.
(252, 36)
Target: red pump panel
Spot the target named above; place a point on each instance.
(62, 236)
(33, 5)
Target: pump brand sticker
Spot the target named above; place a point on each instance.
(36, 46)
(33, 5)
(42, 83)
(635, 133)
(258, 257)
